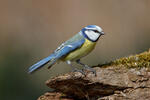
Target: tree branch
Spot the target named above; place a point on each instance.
(125, 78)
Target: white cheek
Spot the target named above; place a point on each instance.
(92, 35)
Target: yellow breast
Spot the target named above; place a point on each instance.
(86, 48)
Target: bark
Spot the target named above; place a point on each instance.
(113, 82)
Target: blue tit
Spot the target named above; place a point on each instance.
(73, 49)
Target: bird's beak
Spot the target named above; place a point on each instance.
(102, 33)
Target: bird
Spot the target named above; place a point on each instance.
(73, 50)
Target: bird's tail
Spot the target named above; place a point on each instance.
(42, 62)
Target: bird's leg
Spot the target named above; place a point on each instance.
(74, 69)
(86, 67)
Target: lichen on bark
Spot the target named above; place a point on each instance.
(134, 61)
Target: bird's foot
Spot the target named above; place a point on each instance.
(86, 67)
(77, 70)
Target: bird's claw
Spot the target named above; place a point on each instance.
(77, 70)
(86, 67)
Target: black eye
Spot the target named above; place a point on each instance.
(96, 31)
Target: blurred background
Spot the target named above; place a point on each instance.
(31, 29)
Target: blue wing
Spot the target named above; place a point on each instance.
(69, 47)
(64, 49)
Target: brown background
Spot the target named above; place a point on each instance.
(31, 29)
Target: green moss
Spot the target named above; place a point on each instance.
(136, 61)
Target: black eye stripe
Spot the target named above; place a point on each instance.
(96, 31)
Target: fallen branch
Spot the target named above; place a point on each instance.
(125, 78)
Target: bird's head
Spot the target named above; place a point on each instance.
(92, 32)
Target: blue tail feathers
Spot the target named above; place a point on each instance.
(40, 64)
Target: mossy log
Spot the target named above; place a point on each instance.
(125, 78)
